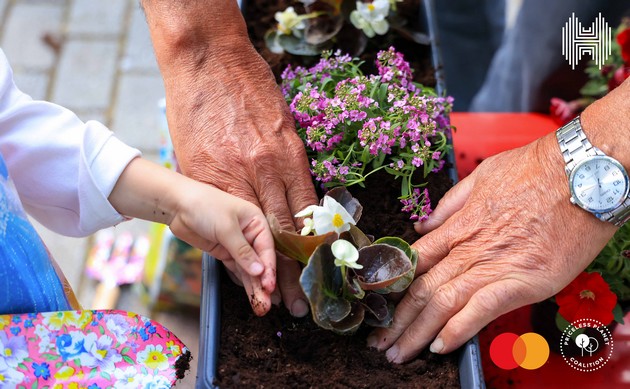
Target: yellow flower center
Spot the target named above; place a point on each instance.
(587, 294)
(102, 353)
(337, 220)
(283, 29)
(8, 352)
(1, 377)
(371, 7)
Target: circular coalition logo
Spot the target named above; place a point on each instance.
(586, 345)
(529, 351)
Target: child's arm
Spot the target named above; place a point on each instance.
(229, 228)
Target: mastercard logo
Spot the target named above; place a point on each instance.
(529, 351)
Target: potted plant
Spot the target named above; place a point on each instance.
(294, 352)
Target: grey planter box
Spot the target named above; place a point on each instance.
(470, 369)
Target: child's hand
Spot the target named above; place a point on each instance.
(232, 230)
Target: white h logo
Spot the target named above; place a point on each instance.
(594, 41)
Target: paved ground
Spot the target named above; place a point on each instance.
(96, 58)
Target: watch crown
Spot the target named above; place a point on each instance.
(572, 200)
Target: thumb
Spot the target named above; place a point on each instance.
(452, 202)
(232, 239)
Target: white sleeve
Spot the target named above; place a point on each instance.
(63, 169)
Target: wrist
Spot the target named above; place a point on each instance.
(187, 34)
(606, 124)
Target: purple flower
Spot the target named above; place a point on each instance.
(13, 350)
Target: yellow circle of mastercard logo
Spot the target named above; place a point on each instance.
(529, 351)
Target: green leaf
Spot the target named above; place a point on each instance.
(561, 322)
(128, 360)
(351, 322)
(383, 265)
(356, 237)
(125, 350)
(297, 46)
(618, 314)
(106, 375)
(322, 284)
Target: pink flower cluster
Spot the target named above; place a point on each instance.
(353, 124)
(418, 204)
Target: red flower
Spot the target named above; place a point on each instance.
(587, 297)
(618, 77)
(563, 111)
(623, 38)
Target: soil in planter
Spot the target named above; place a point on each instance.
(279, 351)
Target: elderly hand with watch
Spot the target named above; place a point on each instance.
(516, 231)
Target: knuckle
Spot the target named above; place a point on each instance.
(244, 252)
(446, 297)
(418, 295)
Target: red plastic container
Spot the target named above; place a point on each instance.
(479, 135)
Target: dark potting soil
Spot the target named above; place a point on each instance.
(280, 351)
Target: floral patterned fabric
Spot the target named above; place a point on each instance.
(88, 349)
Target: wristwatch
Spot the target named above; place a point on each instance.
(599, 184)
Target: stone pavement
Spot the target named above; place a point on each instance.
(94, 57)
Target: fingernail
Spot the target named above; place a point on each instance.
(392, 354)
(256, 268)
(372, 341)
(299, 308)
(437, 346)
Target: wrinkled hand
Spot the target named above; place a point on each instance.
(232, 129)
(504, 237)
(232, 230)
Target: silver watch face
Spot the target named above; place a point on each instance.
(599, 184)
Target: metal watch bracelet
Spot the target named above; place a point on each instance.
(575, 147)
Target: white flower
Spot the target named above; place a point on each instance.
(308, 211)
(100, 352)
(308, 226)
(332, 216)
(371, 17)
(345, 254)
(289, 22)
(128, 378)
(156, 382)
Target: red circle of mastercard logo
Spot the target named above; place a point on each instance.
(529, 351)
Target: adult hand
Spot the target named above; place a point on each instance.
(504, 237)
(230, 125)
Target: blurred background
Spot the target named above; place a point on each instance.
(96, 58)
